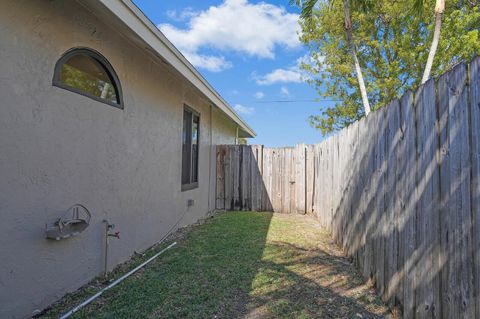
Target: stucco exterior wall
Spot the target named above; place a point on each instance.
(58, 148)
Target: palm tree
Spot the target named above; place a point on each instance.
(306, 13)
(439, 9)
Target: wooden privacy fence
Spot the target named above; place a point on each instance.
(261, 179)
(399, 190)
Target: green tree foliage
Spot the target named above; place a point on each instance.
(242, 141)
(393, 40)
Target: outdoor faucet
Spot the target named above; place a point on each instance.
(116, 234)
(109, 226)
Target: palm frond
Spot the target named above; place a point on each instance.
(306, 7)
(418, 7)
(363, 5)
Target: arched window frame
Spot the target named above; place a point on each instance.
(102, 62)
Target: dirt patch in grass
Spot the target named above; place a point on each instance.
(240, 265)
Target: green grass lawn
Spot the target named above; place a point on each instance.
(240, 265)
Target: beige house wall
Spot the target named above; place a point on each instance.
(58, 148)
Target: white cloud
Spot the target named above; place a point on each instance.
(306, 59)
(172, 14)
(183, 15)
(259, 95)
(208, 62)
(254, 29)
(285, 92)
(293, 74)
(243, 109)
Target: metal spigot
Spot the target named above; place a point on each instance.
(116, 234)
(109, 226)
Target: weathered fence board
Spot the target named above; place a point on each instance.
(299, 178)
(379, 207)
(257, 189)
(228, 174)
(392, 211)
(455, 194)
(369, 196)
(220, 184)
(348, 188)
(362, 181)
(460, 159)
(426, 198)
(399, 190)
(309, 178)
(407, 197)
(447, 230)
(475, 161)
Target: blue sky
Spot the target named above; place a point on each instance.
(249, 51)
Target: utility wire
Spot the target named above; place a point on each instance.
(293, 101)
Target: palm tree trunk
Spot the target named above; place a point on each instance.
(439, 9)
(353, 51)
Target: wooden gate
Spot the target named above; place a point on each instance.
(253, 177)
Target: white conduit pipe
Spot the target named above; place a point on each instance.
(116, 282)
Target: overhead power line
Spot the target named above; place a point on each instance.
(294, 101)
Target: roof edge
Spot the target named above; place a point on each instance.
(137, 21)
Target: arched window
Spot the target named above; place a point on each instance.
(86, 72)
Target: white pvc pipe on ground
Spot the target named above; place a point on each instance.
(116, 282)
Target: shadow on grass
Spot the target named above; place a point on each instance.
(229, 268)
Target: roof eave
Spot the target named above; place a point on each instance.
(135, 20)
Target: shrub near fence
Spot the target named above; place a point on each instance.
(399, 189)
